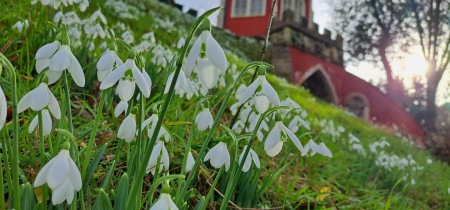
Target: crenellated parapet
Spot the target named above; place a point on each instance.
(305, 36)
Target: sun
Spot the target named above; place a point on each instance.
(415, 64)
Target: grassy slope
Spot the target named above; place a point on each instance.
(353, 179)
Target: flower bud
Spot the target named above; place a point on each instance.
(131, 54)
(261, 70)
(277, 117)
(134, 110)
(65, 40)
(66, 145)
(165, 188)
(44, 79)
(112, 47)
(206, 25)
(206, 105)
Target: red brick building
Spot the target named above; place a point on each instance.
(305, 57)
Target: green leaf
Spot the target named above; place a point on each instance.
(102, 202)
(122, 193)
(229, 132)
(93, 166)
(200, 203)
(27, 200)
(108, 176)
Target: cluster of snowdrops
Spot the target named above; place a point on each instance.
(262, 118)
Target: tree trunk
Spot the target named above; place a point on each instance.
(430, 109)
(394, 87)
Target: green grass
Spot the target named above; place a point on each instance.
(348, 180)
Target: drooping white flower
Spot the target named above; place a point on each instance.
(129, 75)
(200, 88)
(20, 25)
(3, 108)
(234, 108)
(127, 37)
(46, 122)
(164, 201)
(238, 127)
(209, 57)
(98, 14)
(157, 149)
(106, 63)
(150, 124)
(324, 150)
(240, 91)
(83, 5)
(297, 122)
(183, 85)
(311, 145)
(218, 156)
(43, 56)
(150, 36)
(127, 129)
(71, 18)
(64, 59)
(204, 119)
(190, 162)
(279, 134)
(181, 42)
(429, 161)
(121, 108)
(39, 98)
(413, 182)
(248, 161)
(62, 176)
(254, 121)
(262, 91)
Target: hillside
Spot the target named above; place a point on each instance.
(364, 171)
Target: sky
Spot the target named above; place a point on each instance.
(365, 70)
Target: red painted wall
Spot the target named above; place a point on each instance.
(381, 107)
(256, 25)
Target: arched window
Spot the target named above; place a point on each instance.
(297, 6)
(246, 8)
(358, 104)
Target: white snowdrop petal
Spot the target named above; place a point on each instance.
(59, 171)
(39, 99)
(53, 76)
(215, 53)
(169, 82)
(33, 124)
(41, 178)
(148, 80)
(70, 193)
(59, 194)
(24, 103)
(141, 82)
(248, 93)
(165, 160)
(273, 138)
(106, 61)
(76, 71)
(102, 74)
(274, 151)
(42, 64)
(61, 59)
(255, 158)
(306, 148)
(294, 138)
(261, 103)
(121, 107)
(119, 62)
(125, 89)
(189, 163)
(192, 57)
(293, 125)
(270, 93)
(208, 155)
(325, 150)
(207, 73)
(46, 51)
(74, 175)
(113, 77)
(305, 124)
(53, 105)
(227, 159)
(47, 122)
(130, 130)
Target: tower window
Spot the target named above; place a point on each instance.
(297, 6)
(246, 8)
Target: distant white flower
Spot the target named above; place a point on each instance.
(296, 123)
(129, 75)
(43, 56)
(279, 134)
(98, 14)
(210, 58)
(46, 123)
(157, 150)
(181, 42)
(353, 139)
(64, 59)
(20, 25)
(324, 150)
(128, 128)
(106, 64)
(429, 161)
(263, 93)
(240, 91)
(83, 5)
(238, 127)
(39, 98)
(190, 162)
(413, 182)
(164, 202)
(3, 108)
(218, 156)
(204, 119)
(127, 37)
(149, 36)
(200, 88)
(182, 85)
(248, 161)
(311, 145)
(62, 176)
(120, 108)
(234, 108)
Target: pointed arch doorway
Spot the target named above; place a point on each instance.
(319, 84)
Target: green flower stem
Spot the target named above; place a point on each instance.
(143, 164)
(8, 176)
(67, 98)
(60, 126)
(15, 152)
(211, 191)
(118, 147)
(157, 182)
(235, 180)
(188, 144)
(156, 177)
(42, 150)
(88, 153)
(193, 173)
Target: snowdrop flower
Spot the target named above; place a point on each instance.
(20, 25)
(164, 201)
(107, 62)
(129, 75)
(46, 122)
(324, 150)
(39, 98)
(238, 127)
(150, 124)
(204, 119)
(3, 108)
(157, 149)
(62, 176)
(254, 122)
(181, 42)
(218, 156)
(182, 85)
(263, 93)
(429, 161)
(190, 162)
(240, 91)
(353, 139)
(127, 37)
(149, 36)
(279, 134)
(58, 17)
(98, 14)
(296, 123)
(208, 55)
(248, 161)
(64, 59)
(201, 88)
(311, 145)
(71, 18)
(120, 108)
(83, 5)
(234, 108)
(43, 56)
(413, 182)
(128, 127)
